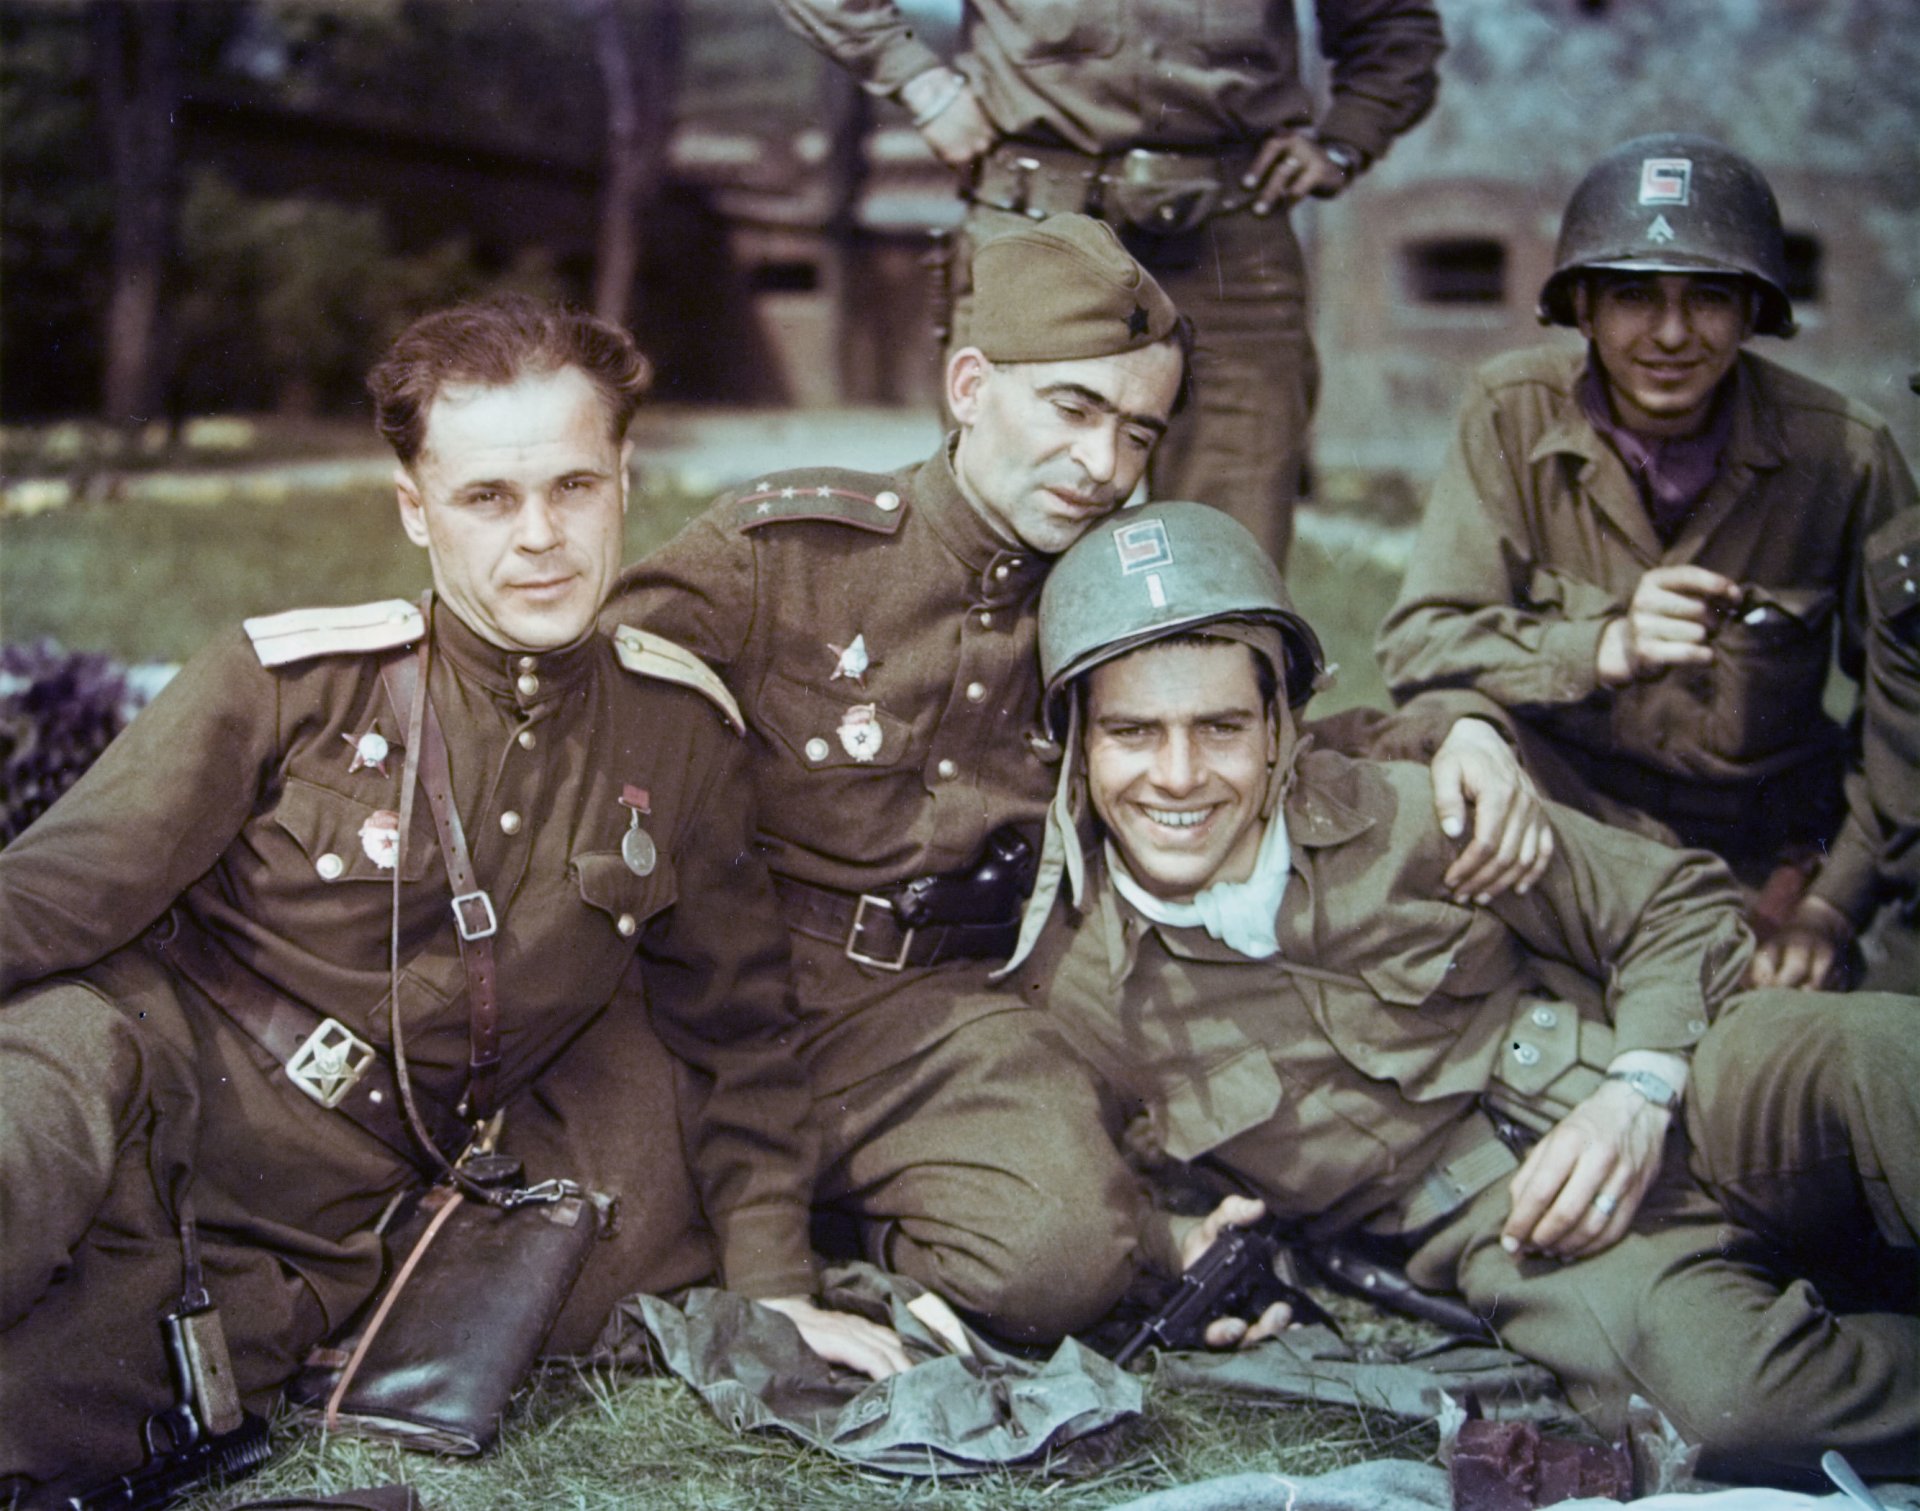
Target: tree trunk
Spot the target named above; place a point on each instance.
(137, 72)
(849, 114)
(639, 81)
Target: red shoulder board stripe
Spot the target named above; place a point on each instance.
(879, 512)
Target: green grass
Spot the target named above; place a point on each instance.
(152, 582)
(593, 1440)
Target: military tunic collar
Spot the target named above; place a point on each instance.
(1007, 573)
(525, 678)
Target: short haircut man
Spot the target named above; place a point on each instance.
(1642, 551)
(1249, 950)
(198, 944)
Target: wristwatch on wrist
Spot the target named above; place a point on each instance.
(1347, 159)
(1649, 1085)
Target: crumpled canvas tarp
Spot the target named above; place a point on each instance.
(946, 1415)
(1316, 1364)
(1381, 1485)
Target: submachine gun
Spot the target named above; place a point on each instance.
(1246, 1270)
(204, 1435)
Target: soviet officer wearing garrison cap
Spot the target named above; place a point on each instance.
(1646, 550)
(198, 940)
(878, 632)
(1523, 1100)
(1190, 130)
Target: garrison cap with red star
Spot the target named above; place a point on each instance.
(1062, 289)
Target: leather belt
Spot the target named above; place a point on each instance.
(1038, 179)
(322, 1058)
(869, 932)
(1472, 1158)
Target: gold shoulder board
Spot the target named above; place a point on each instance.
(648, 655)
(302, 634)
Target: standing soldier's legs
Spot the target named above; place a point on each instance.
(1241, 446)
(968, 1141)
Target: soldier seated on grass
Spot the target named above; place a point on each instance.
(199, 942)
(1647, 549)
(1559, 1104)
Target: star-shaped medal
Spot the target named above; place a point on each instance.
(370, 750)
(1137, 322)
(853, 662)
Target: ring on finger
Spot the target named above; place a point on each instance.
(1606, 1205)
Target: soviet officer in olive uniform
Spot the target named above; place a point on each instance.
(879, 634)
(1646, 550)
(1250, 949)
(194, 947)
(1189, 130)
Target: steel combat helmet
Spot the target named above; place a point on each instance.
(1673, 203)
(1144, 574)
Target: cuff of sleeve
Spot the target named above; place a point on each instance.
(1848, 881)
(1360, 124)
(1567, 660)
(1418, 728)
(1671, 1021)
(764, 1253)
(901, 63)
(1157, 1245)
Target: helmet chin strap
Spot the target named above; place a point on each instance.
(1284, 749)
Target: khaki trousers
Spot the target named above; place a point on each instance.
(967, 1141)
(115, 1089)
(1767, 1298)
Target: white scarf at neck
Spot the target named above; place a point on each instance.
(1242, 915)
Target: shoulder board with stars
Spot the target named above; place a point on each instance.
(649, 655)
(302, 634)
(1893, 561)
(859, 499)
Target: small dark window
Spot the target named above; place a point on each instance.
(1803, 268)
(789, 277)
(1457, 270)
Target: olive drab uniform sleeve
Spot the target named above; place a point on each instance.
(1879, 847)
(145, 822)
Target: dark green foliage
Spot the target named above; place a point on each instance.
(58, 711)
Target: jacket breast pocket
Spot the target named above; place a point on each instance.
(825, 732)
(609, 886)
(1210, 1106)
(1759, 696)
(345, 840)
(1770, 663)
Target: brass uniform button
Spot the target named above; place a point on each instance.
(509, 822)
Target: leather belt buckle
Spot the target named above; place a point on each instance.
(473, 915)
(853, 951)
(329, 1062)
